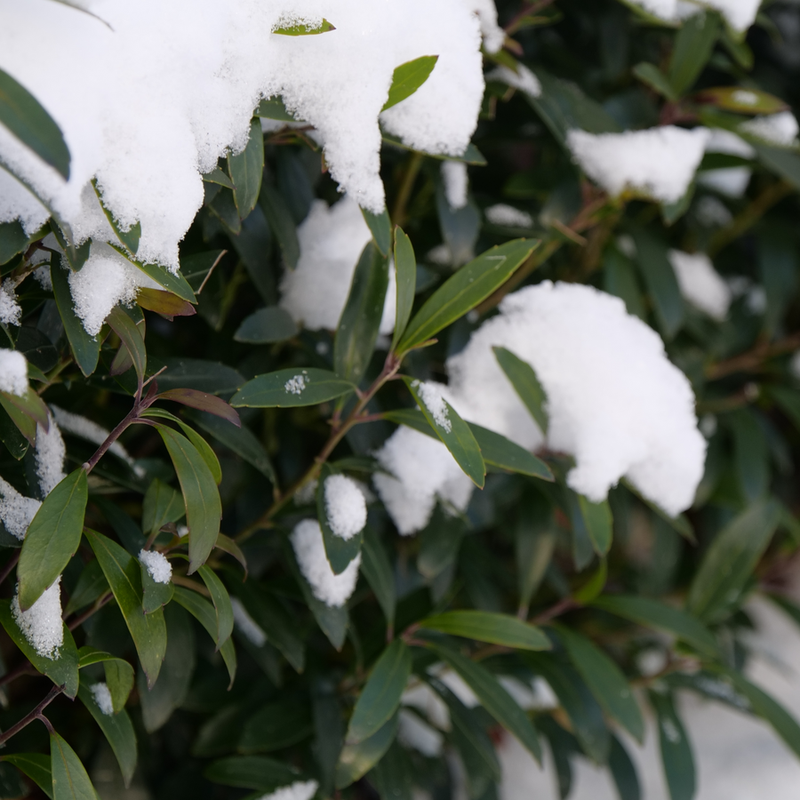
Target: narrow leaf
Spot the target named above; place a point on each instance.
(222, 604)
(405, 265)
(526, 385)
(203, 401)
(246, 170)
(340, 552)
(70, 779)
(377, 569)
(356, 760)
(265, 326)
(292, 387)
(131, 336)
(676, 751)
(485, 626)
(380, 227)
(693, 46)
(162, 276)
(408, 77)
(85, 348)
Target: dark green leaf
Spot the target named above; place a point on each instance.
(219, 177)
(460, 227)
(358, 759)
(203, 401)
(393, 775)
(222, 604)
(693, 46)
(623, 772)
(53, 537)
(13, 240)
(440, 542)
(154, 595)
(676, 751)
(130, 237)
(653, 77)
(292, 387)
(162, 276)
(405, 265)
(281, 224)
(119, 674)
(274, 108)
(526, 385)
(131, 336)
(246, 170)
(408, 77)
(751, 454)
(783, 161)
(473, 283)
(265, 326)
(11, 436)
(91, 585)
(24, 425)
(276, 725)
(70, 780)
(377, 569)
(380, 227)
(340, 552)
(162, 504)
(36, 766)
(502, 453)
(485, 626)
(535, 538)
(251, 772)
(302, 29)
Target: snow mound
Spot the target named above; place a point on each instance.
(157, 565)
(41, 624)
(13, 372)
(701, 284)
(345, 506)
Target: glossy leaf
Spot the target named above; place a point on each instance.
(162, 504)
(36, 766)
(85, 348)
(70, 779)
(380, 227)
(526, 385)
(155, 595)
(53, 537)
(472, 284)
(751, 454)
(676, 751)
(164, 303)
(219, 177)
(29, 405)
(162, 276)
(260, 773)
(119, 674)
(24, 426)
(246, 170)
(486, 626)
(742, 101)
(340, 552)
(377, 569)
(281, 224)
(292, 387)
(203, 401)
(222, 604)
(502, 453)
(356, 760)
(265, 326)
(11, 436)
(408, 77)
(405, 265)
(693, 46)
(91, 585)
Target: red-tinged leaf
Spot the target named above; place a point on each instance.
(165, 303)
(131, 336)
(203, 402)
(122, 361)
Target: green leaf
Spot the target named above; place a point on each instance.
(782, 161)
(53, 537)
(405, 265)
(393, 775)
(131, 336)
(281, 223)
(164, 303)
(129, 238)
(652, 76)
(742, 101)
(693, 46)
(380, 697)
(24, 425)
(162, 504)
(219, 177)
(29, 121)
(657, 615)
(154, 595)
(380, 227)
(730, 561)
(63, 670)
(276, 725)
(534, 540)
(605, 680)
(162, 276)
(408, 77)
(91, 585)
(85, 348)
(340, 552)
(472, 284)
(494, 698)
(246, 170)
(751, 454)
(292, 387)
(118, 730)
(356, 760)
(623, 772)
(676, 751)
(119, 674)
(36, 766)
(304, 30)
(526, 385)
(497, 451)
(222, 604)
(377, 570)
(260, 773)
(440, 543)
(358, 326)
(13, 240)
(202, 401)
(149, 632)
(200, 494)
(486, 626)
(12, 437)
(274, 108)
(593, 587)
(70, 780)
(598, 521)
(265, 326)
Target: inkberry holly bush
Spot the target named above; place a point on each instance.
(322, 511)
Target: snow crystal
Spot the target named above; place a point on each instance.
(13, 372)
(331, 240)
(701, 284)
(41, 624)
(16, 511)
(295, 385)
(658, 162)
(102, 696)
(157, 565)
(523, 79)
(780, 129)
(434, 402)
(246, 625)
(309, 549)
(10, 309)
(49, 457)
(345, 506)
(508, 216)
(299, 790)
(456, 183)
(413, 732)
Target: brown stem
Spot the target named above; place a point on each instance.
(527, 10)
(23, 669)
(36, 713)
(93, 610)
(561, 607)
(753, 359)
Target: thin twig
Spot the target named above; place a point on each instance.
(561, 607)
(753, 359)
(36, 713)
(93, 610)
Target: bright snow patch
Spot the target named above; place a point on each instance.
(299, 790)
(508, 216)
(345, 506)
(157, 565)
(456, 182)
(424, 699)
(728, 181)
(10, 309)
(41, 624)
(657, 162)
(701, 284)
(246, 625)
(413, 732)
(740, 14)
(434, 402)
(333, 590)
(295, 385)
(780, 129)
(13, 372)
(16, 511)
(102, 696)
(331, 240)
(523, 79)
(49, 457)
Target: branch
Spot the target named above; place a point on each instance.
(753, 359)
(36, 713)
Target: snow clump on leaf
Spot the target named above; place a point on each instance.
(345, 506)
(41, 624)
(739, 14)
(16, 511)
(49, 456)
(10, 309)
(299, 790)
(456, 183)
(523, 79)
(102, 696)
(780, 129)
(246, 625)
(157, 565)
(701, 284)
(13, 372)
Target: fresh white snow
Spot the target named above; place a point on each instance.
(13, 372)
(523, 79)
(16, 511)
(49, 456)
(780, 129)
(157, 565)
(701, 284)
(41, 624)
(456, 183)
(246, 625)
(299, 790)
(508, 216)
(345, 506)
(10, 309)
(102, 696)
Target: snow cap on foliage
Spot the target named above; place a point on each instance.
(739, 14)
(493, 34)
(157, 565)
(331, 240)
(246, 625)
(309, 549)
(615, 401)
(16, 511)
(701, 284)
(13, 372)
(102, 696)
(345, 506)
(657, 162)
(49, 456)
(456, 183)
(432, 396)
(523, 79)
(729, 181)
(41, 624)
(299, 790)
(424, 699)
(10, 309)
(508, 216)
(780, 128)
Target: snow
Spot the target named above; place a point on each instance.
(299, 790)
(780, 128)
(435, 404)
(10, 309)
(345, 506)
(739, 14)
(523, 79)
(331, 240)
(508, 216)
(41, 624)
(456, 183)
(49, 457)
(728, 181)
(16, 511)
(295, 385)
(102, 696)
(309, 549)
(424, 699)
(493, 34)
(13, 372)
(246, 625)
(157, 565)
(722, 141)
(658, 162)
(701, 284)
(413, 732)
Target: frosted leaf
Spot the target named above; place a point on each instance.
(102, 696)
(16, 511)
(299, 790)
(508, 216)
(345, 506)
(413, 732)
(309, 549)
(13, 372)
(331, 240)
(41, 624)
(657, 162)
(49, 457)
(434, 402)
(780, 128)
(523, 79)
(701, 284)
(10, 309)
(456, 182)
(157, 565)
(246, 625)
(295, 385)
